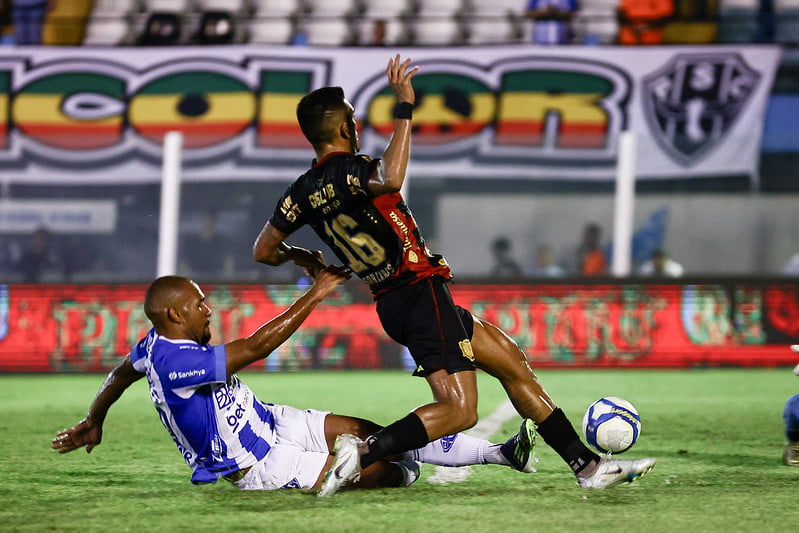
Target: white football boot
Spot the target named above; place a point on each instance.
(346, 466)
(611, 472)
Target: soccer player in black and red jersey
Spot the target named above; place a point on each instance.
(354, 205)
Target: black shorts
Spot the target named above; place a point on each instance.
(423, 317)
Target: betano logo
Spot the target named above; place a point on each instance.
(526, 108)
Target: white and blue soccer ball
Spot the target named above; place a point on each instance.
(611, 425)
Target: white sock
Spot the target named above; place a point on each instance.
(459, 450)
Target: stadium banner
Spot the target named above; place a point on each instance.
(59, 216)
(87, 115)
(87, 328)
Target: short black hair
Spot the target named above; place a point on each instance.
(315, 114)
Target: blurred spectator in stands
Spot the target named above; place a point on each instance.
(791, 268)
(660, 265)
(642, 21)
(505, 267)
(6, 28)
(162, 29)
(591, 260)
(299, 38)
(378, 33)
(216, 27)
(695, 22)
(89, 258)
(41, 260)
(551, 20)
(28, 16)
(696, 10)
(65, 22)
(546, 263)
(766, 22)
(9, 256)
(207, 254)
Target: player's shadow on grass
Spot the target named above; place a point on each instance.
(714, 459)
(296, 500)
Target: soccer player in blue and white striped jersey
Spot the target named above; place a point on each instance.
(223, 430)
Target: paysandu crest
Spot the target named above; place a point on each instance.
(693, 101)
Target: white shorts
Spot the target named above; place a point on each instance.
(298, 455)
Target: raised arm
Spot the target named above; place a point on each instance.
(269, 336)
(89, 431)
(271, 249)
(391, 173)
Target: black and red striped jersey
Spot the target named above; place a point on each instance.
(376, 236)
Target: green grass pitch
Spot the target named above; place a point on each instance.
(717, 435)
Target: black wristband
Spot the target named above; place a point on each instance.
(403, 110)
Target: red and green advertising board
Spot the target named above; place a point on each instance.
(87, 328)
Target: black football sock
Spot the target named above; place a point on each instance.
(558, 432)
(405, 434)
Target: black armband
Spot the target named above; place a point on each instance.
(403, 110)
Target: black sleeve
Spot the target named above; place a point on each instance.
(288, 216)
(361, 171)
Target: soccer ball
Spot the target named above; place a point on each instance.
(611, 425)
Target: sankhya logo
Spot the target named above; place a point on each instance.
(693, 102)
(189, 374)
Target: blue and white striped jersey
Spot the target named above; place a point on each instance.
(217, 423)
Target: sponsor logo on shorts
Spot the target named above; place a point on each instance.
(466, 349)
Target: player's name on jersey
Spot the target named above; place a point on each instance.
(380, 275)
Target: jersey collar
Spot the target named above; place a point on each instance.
(317, 164)
(178, 341)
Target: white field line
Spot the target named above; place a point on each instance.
(483, 430)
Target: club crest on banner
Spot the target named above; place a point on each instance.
(692, 103)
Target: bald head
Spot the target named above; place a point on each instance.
(176, 306)
(165, 293)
